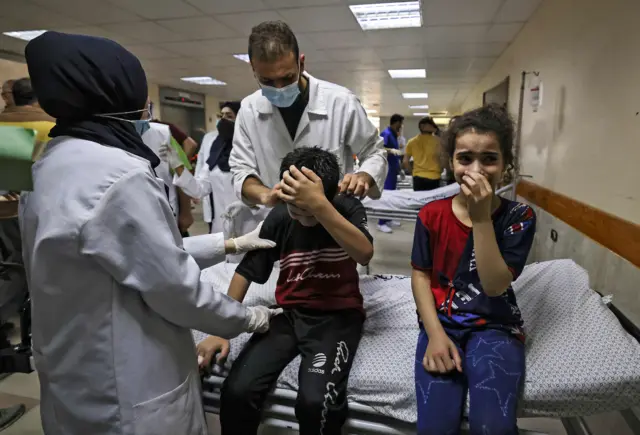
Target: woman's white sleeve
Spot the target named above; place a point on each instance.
(133, 235)
(195, 187)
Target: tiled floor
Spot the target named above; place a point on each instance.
(392, 253)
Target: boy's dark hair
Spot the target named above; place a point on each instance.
(233, 105)
(271, 40)
(23, 94)
(323, 163)
(396, 118)
(492, 118)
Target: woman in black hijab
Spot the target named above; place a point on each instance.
(213, 180)
(115, 290)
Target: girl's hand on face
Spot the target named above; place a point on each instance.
(479, 194)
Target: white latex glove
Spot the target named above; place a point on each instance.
(170, 156)
(260, 317)
(394, 152)
(252, 241)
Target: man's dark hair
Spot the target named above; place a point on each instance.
(427, 120)
(233, 105)
(492, 118)
(23, 94)
(323, 163)
(271, 40)
(396, 118)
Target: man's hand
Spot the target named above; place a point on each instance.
(479, 195)
(393, 151)
(270, 199)
(9, 205)
(442, 355)
(357, 184)
(302, 188)
(210, 347)
(185, 220)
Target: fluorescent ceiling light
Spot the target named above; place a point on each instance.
(442, 120)
(203, 81)
(419, 106)
(407, 73)
(371, 110)
(409, 95)
(388, 15)
(242, 57)
(421, 114)
(25, 35)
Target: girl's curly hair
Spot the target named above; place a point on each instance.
(492, 118)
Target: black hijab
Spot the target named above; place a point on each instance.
(221, 147)
(76, 77)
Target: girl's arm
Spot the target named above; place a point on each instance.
(494, 273)
(426, 304)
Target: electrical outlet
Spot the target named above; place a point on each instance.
(554, 235)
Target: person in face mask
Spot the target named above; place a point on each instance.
(213, 179)
(115, 290)
(291, 110)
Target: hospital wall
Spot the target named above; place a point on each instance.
(583, 140)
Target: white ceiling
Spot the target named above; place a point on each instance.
(459, 42)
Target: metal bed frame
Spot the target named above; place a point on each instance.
(279, 409)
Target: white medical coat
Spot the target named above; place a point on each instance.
(114, 292)
(215, 182)
(201, 165)
(333, 120)
(154, 138)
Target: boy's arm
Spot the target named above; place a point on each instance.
(238, 287)
(350, 238)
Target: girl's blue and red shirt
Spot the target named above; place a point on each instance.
(443, 246)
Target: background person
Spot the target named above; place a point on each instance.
(291, 110)
(7, 93)
(390, 136)
(425, 150)
(115, 290)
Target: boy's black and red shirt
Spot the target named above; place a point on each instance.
(315, 272)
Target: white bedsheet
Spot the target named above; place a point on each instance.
(580, 361)
(408, 199)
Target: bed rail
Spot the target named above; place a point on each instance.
(279, 411)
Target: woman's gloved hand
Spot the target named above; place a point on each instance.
(252, 241)
(169, 156)
(260, 317)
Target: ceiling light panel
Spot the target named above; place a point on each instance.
(388, 15)
(421, 114)
(414, 95)
(25, 35)
(208, 81)
(242, 57)
(419, 106)
(408, 73)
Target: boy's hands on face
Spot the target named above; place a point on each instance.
(479, 194)
(302, 188)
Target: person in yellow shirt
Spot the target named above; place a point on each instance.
(26, 112)
(425, 150)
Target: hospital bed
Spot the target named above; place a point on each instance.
(582, 357)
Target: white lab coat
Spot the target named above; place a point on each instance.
(333, 120)
(115, 290)
(201, 165)
(215, 182)
(154, 138)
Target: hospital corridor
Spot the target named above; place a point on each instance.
(319, 217)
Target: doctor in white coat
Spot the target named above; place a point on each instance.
(115, 290)
(213, 182)
(292, 110)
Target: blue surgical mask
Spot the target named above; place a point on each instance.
(282, 97)
(142, 126)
